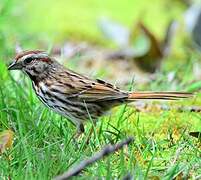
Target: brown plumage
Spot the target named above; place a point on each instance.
(75, 96)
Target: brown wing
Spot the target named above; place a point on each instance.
(75, 85)
(100, 90)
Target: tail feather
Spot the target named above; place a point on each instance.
(159, 95)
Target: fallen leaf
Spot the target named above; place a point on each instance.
(150, 61)
(195, 134)
(6, 140)
(145, 49)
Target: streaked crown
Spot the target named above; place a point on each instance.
(37, 54)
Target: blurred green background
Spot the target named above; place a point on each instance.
(67, 19)
(78, 19)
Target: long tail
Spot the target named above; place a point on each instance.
(159, 95)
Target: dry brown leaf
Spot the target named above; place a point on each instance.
(6, 140)
(150, 61)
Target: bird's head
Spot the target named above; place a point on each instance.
(33, 63)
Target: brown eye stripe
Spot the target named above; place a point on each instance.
(45, 59)
(24, 53)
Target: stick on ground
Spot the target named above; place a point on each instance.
(75, 170)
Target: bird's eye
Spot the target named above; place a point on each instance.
(28, 60)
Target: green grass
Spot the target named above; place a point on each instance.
(43, 146)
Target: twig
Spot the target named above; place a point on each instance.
(99, 155)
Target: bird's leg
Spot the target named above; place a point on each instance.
(80, 130)
(91, 131)
(78, 134)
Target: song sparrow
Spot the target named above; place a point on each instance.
(73, 95)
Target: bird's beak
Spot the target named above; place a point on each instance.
(14, 66)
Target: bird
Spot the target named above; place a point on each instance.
(75, 96)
